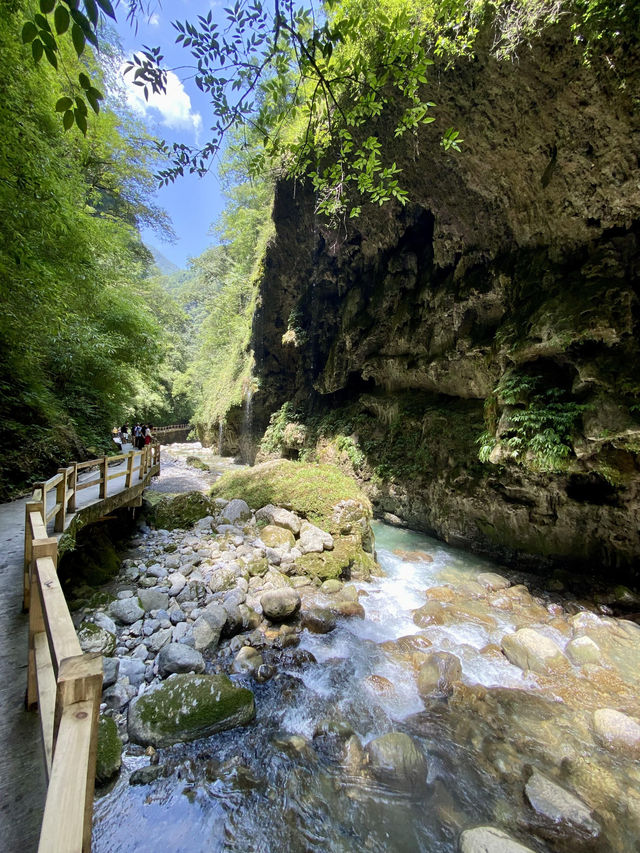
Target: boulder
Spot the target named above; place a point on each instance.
(108, 752)
(247, 661)
(396, 758)
(154, 598)
(280, 604)
(235, 511)
(562, 811)
(331, 586)
(178, 658)
(110, 669)
(489, 839)
(180, 511)
(208, 627)
(126, 610)
(531, 650)
(493, 581)
(93, 638)
(277, 537)
(583, 650)
(133, 669)
(159, 640)
(617, 731)
(438, 673)
(314, 539)
(188, 707)
(318, 620)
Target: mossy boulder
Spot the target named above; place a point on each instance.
(311, 491)
(277, 537)
(346, 560)
(180, 511)
(194, 462)
(109, 752)
(188, 707)
(94, 638)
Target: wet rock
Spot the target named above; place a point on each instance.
(313, 539)
(531, 650)
(379, 685)
(440, 593)
(438, 674)
(247, 661)
(277, 538)
(147, 775)
(235, 511)
(280, 604)
(208, 627)
(489, 839)
(431, 613)
(348, 608)
(617, 731)
(153, 599)
(126, 610)
(493, 581)
(265, 672)
(583, 650)
(414, 556)
(95, 639)
(109, 751)
(396, 758)
(187, 707)
(318, 620)
(562, 812)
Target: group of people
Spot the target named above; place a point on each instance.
(139, 435)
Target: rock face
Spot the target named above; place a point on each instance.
(497, 309)
(617, 731)
(187, 707)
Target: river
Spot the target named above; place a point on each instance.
(296, 779)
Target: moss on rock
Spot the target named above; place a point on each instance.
(109, 752)
(312, 491)
(187, 707)
(180, 511)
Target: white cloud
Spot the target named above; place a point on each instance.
(154, 20)
(173, 109)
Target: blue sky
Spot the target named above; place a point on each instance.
(183, 114)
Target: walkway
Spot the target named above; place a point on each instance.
(22, 778)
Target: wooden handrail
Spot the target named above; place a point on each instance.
(62, 682)
(169, 428)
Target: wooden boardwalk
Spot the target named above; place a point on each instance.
(23, 783)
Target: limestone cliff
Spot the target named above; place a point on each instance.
(494, 318)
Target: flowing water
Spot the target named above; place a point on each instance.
(297, 779)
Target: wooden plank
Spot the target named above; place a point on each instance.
(36, 626)
(130, 458)
(115, 476)
(89, 463)
(38, 529)
(87, 485)
(73, 483)
(61, 635)
(53, 511)
(52, 482)
(46, 695)
(104, 468)
(63, 829)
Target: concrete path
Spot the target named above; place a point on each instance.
(22, 777)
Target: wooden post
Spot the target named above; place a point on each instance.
(72, 504)
(32, 506)
(43, 501)
(36, 626)
(61, 498)
(104, 473)
(140, 471)
(127, 482)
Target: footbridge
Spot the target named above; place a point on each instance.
(47, 760)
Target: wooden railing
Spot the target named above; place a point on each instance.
(62, 681)
(160, 430)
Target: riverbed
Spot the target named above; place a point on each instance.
(297, 778)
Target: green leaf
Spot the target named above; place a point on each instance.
(81, 120)
(95, 104)
(52, 59)
(61, 19)
(63, 104)
(95, 93)
(67, 119)
(92, 11)
(29, 32)
(77, 36)
(46, 6)
(80, 104)
(37, 49)
(107, 8)
(84, 81)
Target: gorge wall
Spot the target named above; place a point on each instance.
(473, 357)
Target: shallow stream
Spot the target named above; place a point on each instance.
(297, 779)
